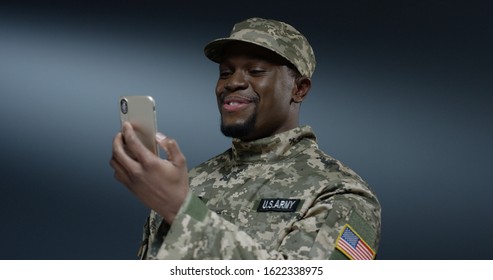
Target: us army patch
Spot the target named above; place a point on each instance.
(353, 246)
(278, 205)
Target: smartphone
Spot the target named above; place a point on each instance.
(140, 111)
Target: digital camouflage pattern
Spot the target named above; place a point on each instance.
(222, 218)
(274, 35)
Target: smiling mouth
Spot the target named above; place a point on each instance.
(235, 103)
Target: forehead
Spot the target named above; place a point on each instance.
(252, 51)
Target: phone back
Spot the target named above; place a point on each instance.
(140, 111)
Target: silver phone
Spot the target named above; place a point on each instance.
(140, 111)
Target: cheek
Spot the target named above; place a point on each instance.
(219, 90)
(280, 94)
(219, 87)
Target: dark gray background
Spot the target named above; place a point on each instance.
(401, 93)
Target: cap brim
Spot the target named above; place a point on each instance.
(214, 50)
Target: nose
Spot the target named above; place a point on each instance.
(236, 81)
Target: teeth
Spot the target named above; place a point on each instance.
(233, 103)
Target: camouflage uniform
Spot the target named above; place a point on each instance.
(274, 198)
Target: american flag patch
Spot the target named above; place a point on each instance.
(353, 246)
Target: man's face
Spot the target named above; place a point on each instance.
(254, 93)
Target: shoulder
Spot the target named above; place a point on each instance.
(336, 178)
(331, 164)
(324, 165)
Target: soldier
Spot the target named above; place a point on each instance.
(274, 194)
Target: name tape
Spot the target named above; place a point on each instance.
(278, 205)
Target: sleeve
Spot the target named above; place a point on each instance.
(199, 233)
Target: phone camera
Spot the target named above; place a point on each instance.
(124, 106)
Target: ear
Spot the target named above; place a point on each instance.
(301, 89)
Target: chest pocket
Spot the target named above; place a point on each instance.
(267, 226)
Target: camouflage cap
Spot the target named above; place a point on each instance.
(274, 35)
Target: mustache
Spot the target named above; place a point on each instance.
(247, 97)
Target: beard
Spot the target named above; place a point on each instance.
(241, 131)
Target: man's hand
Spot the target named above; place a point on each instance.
(161, 184)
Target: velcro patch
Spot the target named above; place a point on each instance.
(353, 246)
(278, 205)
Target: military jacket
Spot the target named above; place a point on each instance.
(279, 197)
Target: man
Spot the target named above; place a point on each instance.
(273, 194)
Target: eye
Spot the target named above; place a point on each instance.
(256, 71)
(224, 73)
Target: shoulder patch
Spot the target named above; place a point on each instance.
(352, 245)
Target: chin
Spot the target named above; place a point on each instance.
(239, 130)
(235, 131)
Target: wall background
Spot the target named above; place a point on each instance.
(402, 94)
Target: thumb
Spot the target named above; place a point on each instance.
(170, 146)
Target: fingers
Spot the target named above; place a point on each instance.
(120, 172)
(175, 156)
(121, 161)
(119, 155)
(134, 145)
(130, 157)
